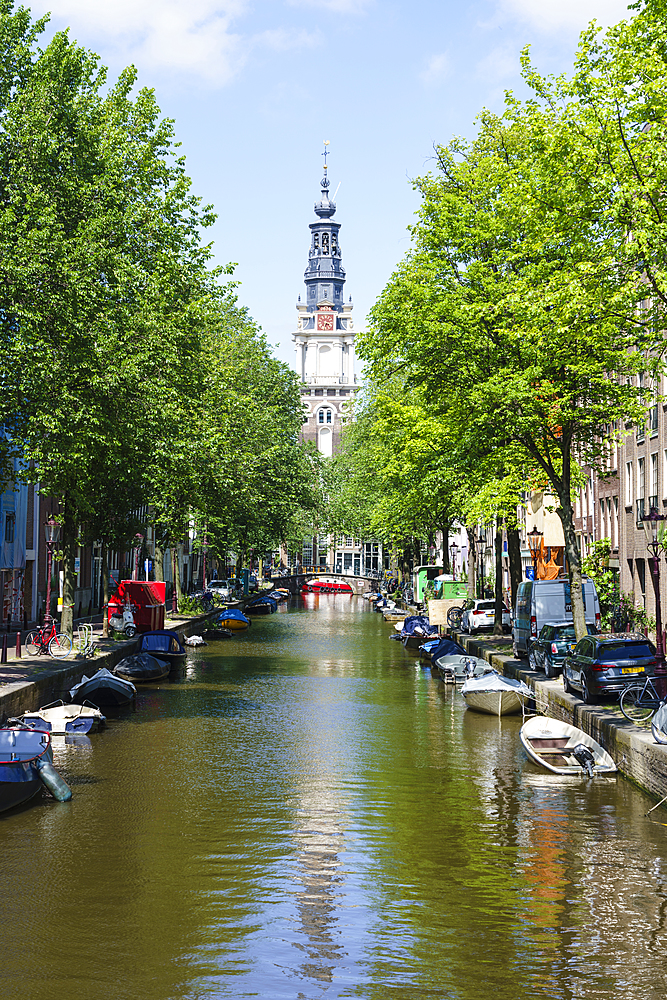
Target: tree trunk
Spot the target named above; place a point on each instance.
(472, 563)
(516, 569)
(446, 567)
(566, 515)
(158, 558)
(69, 551)
(498, 623)
(105, 589)
(177, 575)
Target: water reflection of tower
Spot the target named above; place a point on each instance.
(319, 835)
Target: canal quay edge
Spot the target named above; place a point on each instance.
(52, 679)
(634, 751)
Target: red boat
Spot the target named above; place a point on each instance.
(324, 586)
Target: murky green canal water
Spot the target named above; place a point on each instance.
(307, 815)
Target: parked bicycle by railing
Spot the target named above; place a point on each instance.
(48, 639)
(640, 701)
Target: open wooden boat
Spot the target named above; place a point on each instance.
(103, 688)
(60, 719)
(142, 668)
(494, 694)
(564, 749)
(457, 668)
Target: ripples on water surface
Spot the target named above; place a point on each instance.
(308, 814)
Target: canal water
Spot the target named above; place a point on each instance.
(307, 813)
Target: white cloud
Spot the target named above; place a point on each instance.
(194, 37)
(337, 6)
(437, 68)
(550, 15)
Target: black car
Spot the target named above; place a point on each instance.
(552, 645)
(605, 664)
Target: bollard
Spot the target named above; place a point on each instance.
(18, 645)
(3, 656)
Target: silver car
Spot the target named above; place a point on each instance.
(482, 614)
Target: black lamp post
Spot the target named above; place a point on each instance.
(534, 544)
(51, 534)
(655, 547)
(453, 551)
(481, 547)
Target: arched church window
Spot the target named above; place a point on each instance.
(325, 416)
(325, 243)
(316, 241)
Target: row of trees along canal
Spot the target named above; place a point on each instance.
(130, 375)
(524, 330)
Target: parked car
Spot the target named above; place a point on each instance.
(552, 645)
(547, 602)
(222, 588)
(603, 664)
(478, 614)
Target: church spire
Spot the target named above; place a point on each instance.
(325, 274)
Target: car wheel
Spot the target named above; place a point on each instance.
(566, 684)
(586, 696)
(548, 669)
(532, 661)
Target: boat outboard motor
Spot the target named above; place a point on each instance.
(583, 756)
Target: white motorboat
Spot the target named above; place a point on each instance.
(60, 719)
(103, 688)
(564, 749)
(494, 694)
(456, 668)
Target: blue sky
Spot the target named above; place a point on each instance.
(255, 87)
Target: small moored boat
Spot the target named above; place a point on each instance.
(232, 618)
(494, 694)
(564, 749)
(659, 725)
(213, 634)
(142, 668)
(163, 643)
(26, 764)
(103, 688)
(60, 719)
(264, 605)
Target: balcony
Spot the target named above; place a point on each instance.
(640, 511)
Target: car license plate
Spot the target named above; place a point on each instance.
(631, 670)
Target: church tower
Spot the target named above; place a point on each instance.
(324, 340)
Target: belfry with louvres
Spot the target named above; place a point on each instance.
(324, 339)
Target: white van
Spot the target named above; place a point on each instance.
(547, 602)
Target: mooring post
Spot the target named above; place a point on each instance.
(3, 656)
(18, 645)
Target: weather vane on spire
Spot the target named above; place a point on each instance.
(325, 153)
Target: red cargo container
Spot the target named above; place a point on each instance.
(146, 598)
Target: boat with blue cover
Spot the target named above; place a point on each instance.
(163, 643)
(416, 630)
(26, 766)
(263, 605)
(232, 618)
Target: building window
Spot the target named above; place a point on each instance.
(324, 417)
(347, 561)
(603, 533)
(10, 525)
(628, 484)
(349, 543)
(653, 497)
(641, 478)
(615, 542)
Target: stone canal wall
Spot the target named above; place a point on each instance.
(635, 753)
(51, 679)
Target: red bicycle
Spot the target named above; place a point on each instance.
(48, 640)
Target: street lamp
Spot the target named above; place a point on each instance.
(453, 551)
(654, 547)
(480, 542)
(51, 534)
(535, 545)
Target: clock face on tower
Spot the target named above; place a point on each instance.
(325, 321)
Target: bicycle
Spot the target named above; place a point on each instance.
(47, 639)
(640, 702)
(454, 616)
